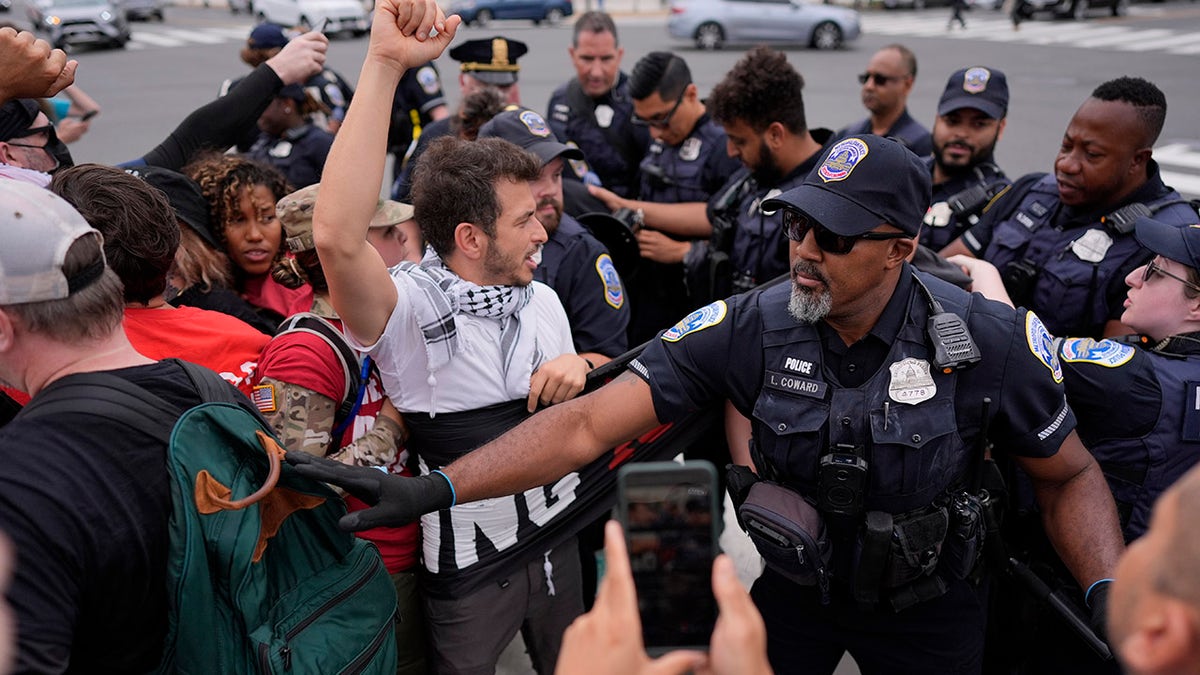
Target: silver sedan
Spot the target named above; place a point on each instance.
(713, 23)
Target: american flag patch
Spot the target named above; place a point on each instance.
(263, 397)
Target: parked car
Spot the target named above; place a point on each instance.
(482, 12)
(343, 15)
(1078, 9)
(71, 22)
(5, 5)
(713, 23)
(142, 9)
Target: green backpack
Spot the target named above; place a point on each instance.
(261, 580)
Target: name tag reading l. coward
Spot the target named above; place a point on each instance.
(795, 385)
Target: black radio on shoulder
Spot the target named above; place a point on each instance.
(842, 481)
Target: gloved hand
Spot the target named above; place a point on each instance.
(1097, 601)
(395, 500)
(738, 481)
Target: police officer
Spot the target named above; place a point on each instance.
(484, 63)
(594, 110)
(1064, 242)
(1137, 403)
(865, 425)
(760, 105)
(886, 84)
(573, 263)
(685, 166)
(418, 102)
(970, 120)
(290, 142)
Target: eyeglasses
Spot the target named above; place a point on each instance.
(51, 140)
(880, 79)
(796, 225)
(1152, 268)
(665, 120)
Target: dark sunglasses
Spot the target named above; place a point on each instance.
(1152, 268)
(796, 225)
(51, 141)
(660, 122)
(880, 79)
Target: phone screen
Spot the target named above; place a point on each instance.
(668, 515)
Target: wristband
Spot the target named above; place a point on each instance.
(453, 493)
(1088, 594)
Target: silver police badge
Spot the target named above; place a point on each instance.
(939, 215)
(1092, 246)
(604, 115)
(690, 149)
(911, 381)
(281, 149)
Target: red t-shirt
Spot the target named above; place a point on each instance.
(214, 340)
(306, 360)
(18, 396)
(263, 291)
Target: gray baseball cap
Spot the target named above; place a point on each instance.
(37, 227)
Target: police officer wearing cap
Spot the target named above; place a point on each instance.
(594, 110)
(685, 166)
(490, 62)
(1063, 242)
(576, 265)
(289, 141)
(860, 412)
(970, 120)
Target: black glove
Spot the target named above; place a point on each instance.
(1097, 601)
(738, 481)
(395, 500)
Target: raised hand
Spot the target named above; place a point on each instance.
(31, 68)
(408, 33)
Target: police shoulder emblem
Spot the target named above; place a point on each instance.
(689, 151)
(614, 295)
(1107, 353)
(534, 123)
(842, 159)
(1041, 344)
(975, 80)
(427, 77)
(709, 315)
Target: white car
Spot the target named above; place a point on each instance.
(343, 15)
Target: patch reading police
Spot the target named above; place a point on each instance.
(604, 115)
(534, 123)
(911, 381)
(427, 77)
(842, 159)
(975, 80)
(1092, 246)
(790, 384)
(708, 315)
(614, 295)
(798, 365)
(1041, 344)
(1107, 353)
(690, 149)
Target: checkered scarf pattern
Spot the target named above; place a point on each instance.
(438, 295)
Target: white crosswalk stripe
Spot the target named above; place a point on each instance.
(1081, 34)
(1179, 164)
(145, 36)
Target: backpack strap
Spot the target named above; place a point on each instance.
(108, 396)
(355, 378)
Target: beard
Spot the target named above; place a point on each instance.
(809, 305)
(766, 173)
(978, 156)
(547, 221)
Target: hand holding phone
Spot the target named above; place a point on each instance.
(669, 513)
(88, 115)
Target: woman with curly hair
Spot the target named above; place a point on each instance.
(241, 194)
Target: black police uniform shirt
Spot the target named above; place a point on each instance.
(402, 188)
(616, 168)
(419, 92)
(1139, 415)
(691, 171)
(1062, 262)
(906, 130)
(581, 271)
(300, 153)
(941, 225)
(326, 86)
(804, 390)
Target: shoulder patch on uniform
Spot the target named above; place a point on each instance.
(1041, 344)
(427, 77)
(1107, 353)
(709, 315)
(263, 398)
(614, 294)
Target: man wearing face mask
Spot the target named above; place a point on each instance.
(971, 117)
(29, 149)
